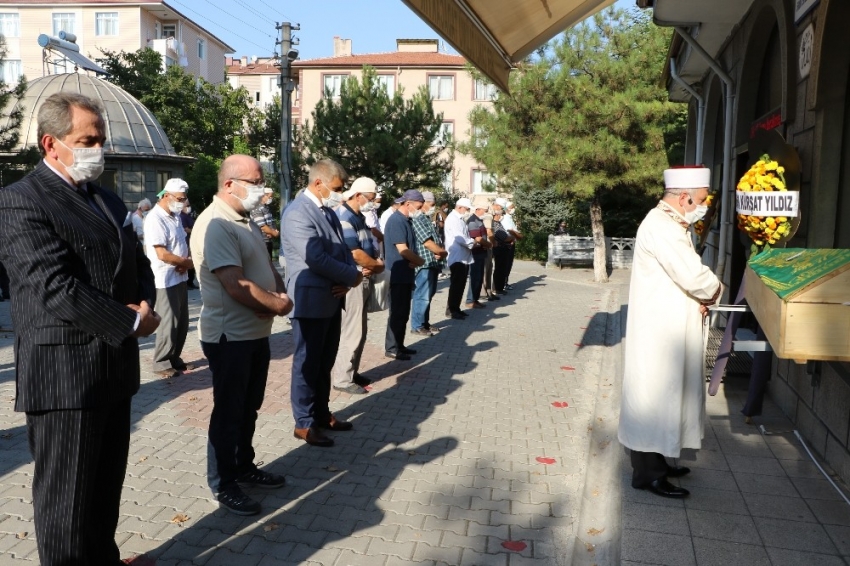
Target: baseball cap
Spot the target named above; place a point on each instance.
(410, 194)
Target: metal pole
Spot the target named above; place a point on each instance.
(287, 56)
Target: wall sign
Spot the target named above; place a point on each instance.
(768, 122)
(803, 7)
(777, 203)
(807, 50)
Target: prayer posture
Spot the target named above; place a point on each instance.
(663, 406)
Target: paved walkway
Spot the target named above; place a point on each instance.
(496, 445)
(474, 453)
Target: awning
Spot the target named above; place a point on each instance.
(495, 34)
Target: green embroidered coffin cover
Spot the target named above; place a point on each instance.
(788, 271)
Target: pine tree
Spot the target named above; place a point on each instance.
(586, 116)
(10, 126)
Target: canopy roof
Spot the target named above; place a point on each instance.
(495, 34)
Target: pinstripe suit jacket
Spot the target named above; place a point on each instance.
(72, 271)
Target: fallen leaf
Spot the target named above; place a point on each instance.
(544, 460)
(595, 493)
(582, 327)
(22, 535)
(595, 532)
(193, 398)
(604, 444)
(578, 344)
(568, 368)
(271, 527)
(560, 404)
(143, 458)
(600, 419)
(179, 518)
(514, 545)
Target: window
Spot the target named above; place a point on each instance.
(202, 49)
(484, 90)
(257, 97)
(444, 136)
(10, 25)
(106, 23)
(442, 87)
(11, 71)
(169, 30)
(478, 137)
(448, 182)
(162, 177)
(107, 179)
(482, 181)
(273, 83)
(333, 85)
(64, 21)
(388, 83)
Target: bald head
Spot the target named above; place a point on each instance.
(237, 167)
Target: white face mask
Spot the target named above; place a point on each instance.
(175, 207)
(696, 214)
(188, 209)
(254, 197)
(466, 216)
(87, 164)
(367, 206)
(333, 199)
(412, 213)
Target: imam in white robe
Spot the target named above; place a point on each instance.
(663, 402)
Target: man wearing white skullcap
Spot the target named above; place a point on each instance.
(663, 401)
(168, 252)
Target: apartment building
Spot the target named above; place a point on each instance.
(416, 62)
(113, 25)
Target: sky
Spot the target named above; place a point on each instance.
(248, 26)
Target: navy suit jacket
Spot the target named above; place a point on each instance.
(316, 259)
(72, 272)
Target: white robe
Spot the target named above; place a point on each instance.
(663, 402)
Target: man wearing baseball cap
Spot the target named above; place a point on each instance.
(401, 259)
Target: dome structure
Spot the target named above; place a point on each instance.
(131, 129)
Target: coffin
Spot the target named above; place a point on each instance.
(801, 298)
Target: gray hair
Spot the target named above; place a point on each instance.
(55, 117)
(677, 192)
(144, 202)
(327, 170)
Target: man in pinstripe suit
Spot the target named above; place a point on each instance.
(84, 293)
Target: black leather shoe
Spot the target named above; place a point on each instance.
(408, 351)
(339, 426)
(360, 380)
(664, 488)
(235, 501)
(677, 472)
(459, 316)
(397, 356)
(313, 437)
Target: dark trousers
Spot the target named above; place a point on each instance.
(316, 345)
(270, 248)
(511, 254)
(4, 283)
(401, 295)
(459, 272)
(476, 277)
(501, 262)
(80, 460)
(647, 467)
(240, 369)
(172, 304)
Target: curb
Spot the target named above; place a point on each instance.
(600, 519)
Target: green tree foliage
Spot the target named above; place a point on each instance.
(199, 117)
(16, 166)
(589, 119)
(202, 177)
(264, 142)
(388, 138)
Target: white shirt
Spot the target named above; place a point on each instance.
(138, 226)
(372, 221)
(508, 223)
(458, 242)
(384, 217)
(164, 229)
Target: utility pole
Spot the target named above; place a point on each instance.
(287, 55)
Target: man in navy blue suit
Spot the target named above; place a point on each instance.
(319, 272)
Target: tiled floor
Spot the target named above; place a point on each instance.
(755, 500)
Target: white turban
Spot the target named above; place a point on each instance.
(696, 177)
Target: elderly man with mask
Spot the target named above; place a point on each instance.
(138, 218)
(168, 252)
(359, 201)
(429, 247)
(663, 404)
(460, 247)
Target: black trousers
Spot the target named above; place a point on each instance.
(80, 461)
(240, 369)
(511, 254)
(4, 283)
(647, 467)
(457, 283)
(501, 264)
(401, 295)
(316, 347)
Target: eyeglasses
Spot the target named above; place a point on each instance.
(261, 183)
(179, 199)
